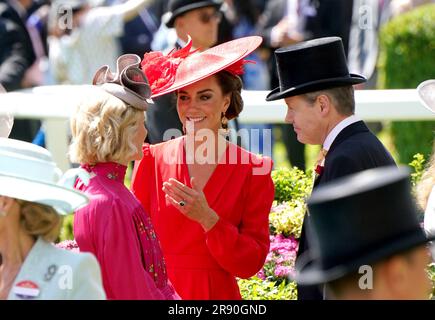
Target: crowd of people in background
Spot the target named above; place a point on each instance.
(64, 41)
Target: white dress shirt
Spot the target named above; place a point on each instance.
(337, 129)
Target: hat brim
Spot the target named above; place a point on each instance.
(198, 68)
(353, 79)
(6, 123)
(63, 200)
(314, 274)
(203, 4)
(426, 93)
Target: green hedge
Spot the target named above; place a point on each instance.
(407, 57)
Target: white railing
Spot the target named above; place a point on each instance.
(55, 104)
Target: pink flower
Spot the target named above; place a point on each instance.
(70, 245)
(261, 275)
(282, 271)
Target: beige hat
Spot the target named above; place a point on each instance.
(426, 93)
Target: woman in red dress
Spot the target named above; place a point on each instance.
(209, 199)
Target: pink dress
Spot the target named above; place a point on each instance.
(117, 230)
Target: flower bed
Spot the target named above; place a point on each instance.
(272, 282)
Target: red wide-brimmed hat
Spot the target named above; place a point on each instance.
(178, 69)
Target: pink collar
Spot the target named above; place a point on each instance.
(110, 170)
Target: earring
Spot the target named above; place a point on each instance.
(224, 121)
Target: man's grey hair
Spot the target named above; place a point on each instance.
(342, 97)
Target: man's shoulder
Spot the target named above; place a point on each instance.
(355, 136)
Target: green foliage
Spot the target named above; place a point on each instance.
(418, 165)
(66, 232)
(407, 51)
(257, 289)
(292, 187)
(412, 137)
(290, 184)
(431, 272)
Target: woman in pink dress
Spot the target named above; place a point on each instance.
(108, 132)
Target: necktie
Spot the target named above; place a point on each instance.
(320, 162)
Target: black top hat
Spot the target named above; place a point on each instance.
(310, 66)
(179, 7)
(359, 220)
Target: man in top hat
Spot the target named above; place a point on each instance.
(198, 19)
(318, 90)
(371, 245)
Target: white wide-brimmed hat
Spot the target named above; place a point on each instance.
(27, 172)
(6, 120)
(426, 93)
(6, 123)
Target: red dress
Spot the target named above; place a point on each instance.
(204, 265)
(117, 230)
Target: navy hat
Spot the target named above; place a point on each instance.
(179, 7)
(311, 66)
(359, 220)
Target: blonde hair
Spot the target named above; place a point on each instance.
(103, 129)
(426, 183)
(40, 220)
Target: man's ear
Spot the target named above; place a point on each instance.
(324, 103)
(396, 275)
(178, 23)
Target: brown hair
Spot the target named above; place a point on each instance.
(231, 84)
(342, 97)
(40, 220)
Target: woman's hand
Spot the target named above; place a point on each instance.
(7, 205)
(191, 202)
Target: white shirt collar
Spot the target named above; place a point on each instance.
(337, 129)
